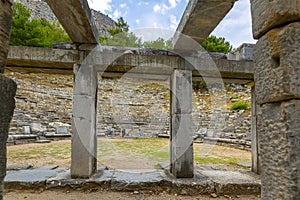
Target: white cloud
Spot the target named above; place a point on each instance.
(137, 21)
(173, 3)
(102, 5)
(116, 14)
(174, 22)
(156, 8)
(163, 8)
(143, 3)
(123, 5)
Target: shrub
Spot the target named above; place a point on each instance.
(241, 105)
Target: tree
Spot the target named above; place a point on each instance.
(159, 43)
(120, 36)
(20, 18)
(37, 32)
(215, 44)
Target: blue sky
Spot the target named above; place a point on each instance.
(150, 19)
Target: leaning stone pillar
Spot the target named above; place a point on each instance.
(182, 160)
(7, 105)
(84, 138)
(256, 168)
(277, 83)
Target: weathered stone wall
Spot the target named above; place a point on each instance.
(7, 106)
(277, 77)
(7, 86)
(5, 24)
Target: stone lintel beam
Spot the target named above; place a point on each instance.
(76, 18)
(117, 61)
(39, 58)
(200, 18)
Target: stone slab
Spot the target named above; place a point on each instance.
(25, 179)
(267, 15)
(279, 136)
(205, 181)
(277, 65)
(135, 179)
(104, 177)
(232, 182)
(48, 167)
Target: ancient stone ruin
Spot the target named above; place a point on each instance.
(275, 93)
(276, 25)
(7, 86)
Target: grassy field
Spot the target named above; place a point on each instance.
(124, 153)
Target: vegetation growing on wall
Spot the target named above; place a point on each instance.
(35, 32)
(241, 105)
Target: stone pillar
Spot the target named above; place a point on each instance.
(277, 83)
(256, 168)
(7, 86)
(7, 105)
(182, 160)
(84, 122)
(5, 27)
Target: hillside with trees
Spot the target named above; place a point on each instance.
(39, 32)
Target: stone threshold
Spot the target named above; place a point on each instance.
(206, 181)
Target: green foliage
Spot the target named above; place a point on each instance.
(120, 36)
(123, 39)
(215, 44)
(36, 32)
(241, 105)
(160, 43)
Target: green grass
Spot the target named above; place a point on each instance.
(152, 148)
(241, 105)
(155, 150)
(158, 149)
(55, 151)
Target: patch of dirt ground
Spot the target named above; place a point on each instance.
(109, 195)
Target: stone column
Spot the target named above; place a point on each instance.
(84, 122)
(254, 137)
(7, 86)
(277, 83)
(5, 27)
(7, 105)
(182, 159)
